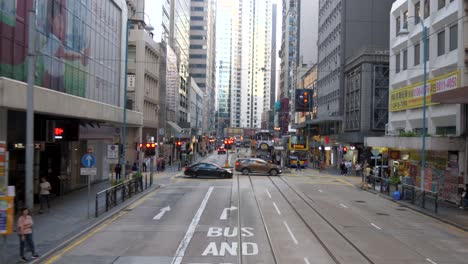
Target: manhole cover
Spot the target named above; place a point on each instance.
(401, 209)
(382, 214)
(359, 201)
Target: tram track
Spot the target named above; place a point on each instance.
(306, 200)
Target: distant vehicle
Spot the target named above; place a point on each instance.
(253, 165)
(207, 169)
(221, 150)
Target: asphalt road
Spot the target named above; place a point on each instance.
(301, 217)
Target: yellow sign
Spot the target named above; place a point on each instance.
(412, 96)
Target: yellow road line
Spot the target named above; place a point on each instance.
(99, 228)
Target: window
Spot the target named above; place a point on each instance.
(197, 8)
(197, 56)
(441, 4)
(417, 54)
(405, 20)
(196, 18)
(405, 59)
(197, 27)
(197, 37)
(448, 130)
(441, 43)
(196, 46)
(398, 24)
(417, 13)
(453, 37)
(427, 8)
(397, 63)
(428, 49)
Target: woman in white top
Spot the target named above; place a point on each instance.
(44, 193)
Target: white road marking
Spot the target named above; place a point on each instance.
(224, 214)
(162, 212)
(344, 206)
(290, 233)
(320, 191)
(306, 261)
(269, 195)
(179, 255)
(374, 225)
(277, 209)
(431, 261)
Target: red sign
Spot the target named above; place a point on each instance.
(327, 140)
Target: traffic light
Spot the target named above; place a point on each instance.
(150, 149)
(226, 142)
(303, 100)
(179, 144)
(345, 150)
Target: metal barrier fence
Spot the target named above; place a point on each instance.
(413, 194)
(111, 197)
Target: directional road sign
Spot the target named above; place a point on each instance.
(88, 160)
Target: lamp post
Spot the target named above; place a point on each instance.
(124, 126)
(425, 51)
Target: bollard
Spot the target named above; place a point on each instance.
(107, 200)
(424, 199)
(96, 208)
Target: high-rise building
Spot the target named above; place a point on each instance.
(249, 25)
(202, 56)
(224, 51)
(352, 73)
(172, 21)
(298, 51)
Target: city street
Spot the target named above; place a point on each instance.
(301, 217)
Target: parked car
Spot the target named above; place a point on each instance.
(254, 165)
(207, 169)
(221, 150)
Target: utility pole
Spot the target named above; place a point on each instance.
(29, 181)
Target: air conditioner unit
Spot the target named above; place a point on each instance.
(390, 132)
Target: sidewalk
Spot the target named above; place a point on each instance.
(67, 217)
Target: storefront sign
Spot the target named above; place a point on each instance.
(3, 168)
(410, 97)
(6, 215)
(395, 154)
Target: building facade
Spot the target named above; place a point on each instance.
(345, 34)
(203, 55)
(445, 126)
(78, 92)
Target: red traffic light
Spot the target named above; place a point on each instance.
(226, 142)
(148, 145)
(153, 145)
(141, 145)
(58, 131)
(345, 149)
(179, 143)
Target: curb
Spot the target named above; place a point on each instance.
(416, 209)
(111, 214)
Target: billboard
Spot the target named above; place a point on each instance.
(412, 96)
(303, 102)
(78, 45)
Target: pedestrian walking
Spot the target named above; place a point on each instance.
(44, 194)
(358, 169)
(144, 166)
(464, 198)
(25, 233)
(342, 168)
(118, 171)
(134, 167)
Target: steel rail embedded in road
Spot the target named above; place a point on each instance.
(270, 243)
(301, 196)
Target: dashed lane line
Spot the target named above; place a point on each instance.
(306, 260)
(374, 225)
(320, 190)
(290, 233)
(431, 261)
(268, 193)
(277, 209)
(344, 206)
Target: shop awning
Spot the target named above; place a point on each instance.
(174, 126)
(455, 96)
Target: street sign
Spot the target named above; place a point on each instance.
(88, 171)
(375, 152)
(88, 160)
(376, 157)
(112, 151)
(278, 147)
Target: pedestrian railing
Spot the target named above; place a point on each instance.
(115, 195)
(417, 196)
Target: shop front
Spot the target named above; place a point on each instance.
(443, 170)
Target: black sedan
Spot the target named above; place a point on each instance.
(207, 169)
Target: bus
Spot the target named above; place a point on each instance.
(298, 148)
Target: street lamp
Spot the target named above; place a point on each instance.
(149, 28)
(423, 151)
